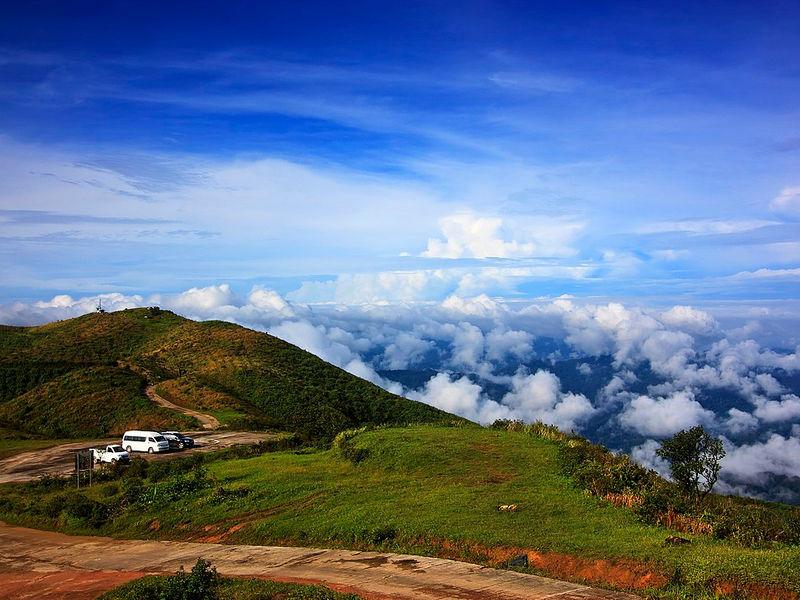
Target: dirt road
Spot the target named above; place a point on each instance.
(207, 421)
(42, 565)
(60, 459)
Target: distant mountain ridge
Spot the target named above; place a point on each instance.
(86, 377)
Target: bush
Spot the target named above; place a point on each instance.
(78, 506)
(200, 583)
(756, 525)
(343, 445)
(133, 490)
(601, 472)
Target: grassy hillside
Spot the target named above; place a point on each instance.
(89, 402)
(86, 376)
(424, 490)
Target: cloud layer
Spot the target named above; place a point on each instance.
(621, 374)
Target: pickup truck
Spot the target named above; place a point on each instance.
(111, 454)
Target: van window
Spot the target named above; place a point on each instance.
(160, 438)
(126, 438)
(150, 440)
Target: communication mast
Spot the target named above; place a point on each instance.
(100, 308)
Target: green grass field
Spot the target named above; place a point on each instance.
(431, 490)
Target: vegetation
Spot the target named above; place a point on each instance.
(89, 402)
(426, 490)
(203, 583)
(619, 480)
(694, 461)
(85, 377)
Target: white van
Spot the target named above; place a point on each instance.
(144, 441)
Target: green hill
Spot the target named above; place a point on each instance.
(86, 376)
(424, 490)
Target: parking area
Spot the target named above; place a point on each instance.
(60, 460)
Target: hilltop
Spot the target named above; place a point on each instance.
(87, 376)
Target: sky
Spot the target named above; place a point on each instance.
(363, 152)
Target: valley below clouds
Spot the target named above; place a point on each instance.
(623, 375)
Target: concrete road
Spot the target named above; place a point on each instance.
(40, 564)
(59, 460)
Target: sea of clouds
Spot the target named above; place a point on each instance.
(659, 370)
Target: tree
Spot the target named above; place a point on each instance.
(694, 458)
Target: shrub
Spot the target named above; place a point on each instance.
(78, 506)
(755, 525)
(343, 445)
(132, 490)
(601, 472)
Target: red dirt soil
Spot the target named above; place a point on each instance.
(621, 574)
(75, 585)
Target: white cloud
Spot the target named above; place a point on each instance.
(467, 235)
(689, 319)
(754, 462)
(739, 422)
(768, 274)
(776, 411)
(461, 397)
(270, 301)
(200, 301)
(645, 455)
(539, 397)
(787, 203)
(704, 226)
(406, 350)
(662, 417)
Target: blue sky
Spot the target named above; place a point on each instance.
(378, 151)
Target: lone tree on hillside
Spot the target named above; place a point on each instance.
(694, 457)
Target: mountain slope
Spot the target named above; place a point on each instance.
(54, 377)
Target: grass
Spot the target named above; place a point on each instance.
(246, 377)
(150, 588)
(427, 490)
(203, 582)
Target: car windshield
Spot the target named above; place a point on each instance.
(117, 449)
(160, 438)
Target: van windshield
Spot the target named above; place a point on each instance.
(160, 438)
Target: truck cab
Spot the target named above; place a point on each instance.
(111, 454)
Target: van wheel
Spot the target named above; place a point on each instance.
(150, 450)
(128, 450)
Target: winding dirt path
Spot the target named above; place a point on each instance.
(43, 564)
(207, 421)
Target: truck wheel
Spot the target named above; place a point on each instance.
(129, 449)
(150, 450)
(113, 461)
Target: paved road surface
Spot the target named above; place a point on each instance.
(40, 564)
(207, 421)
(60, 459)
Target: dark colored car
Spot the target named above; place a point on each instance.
(177, 440)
